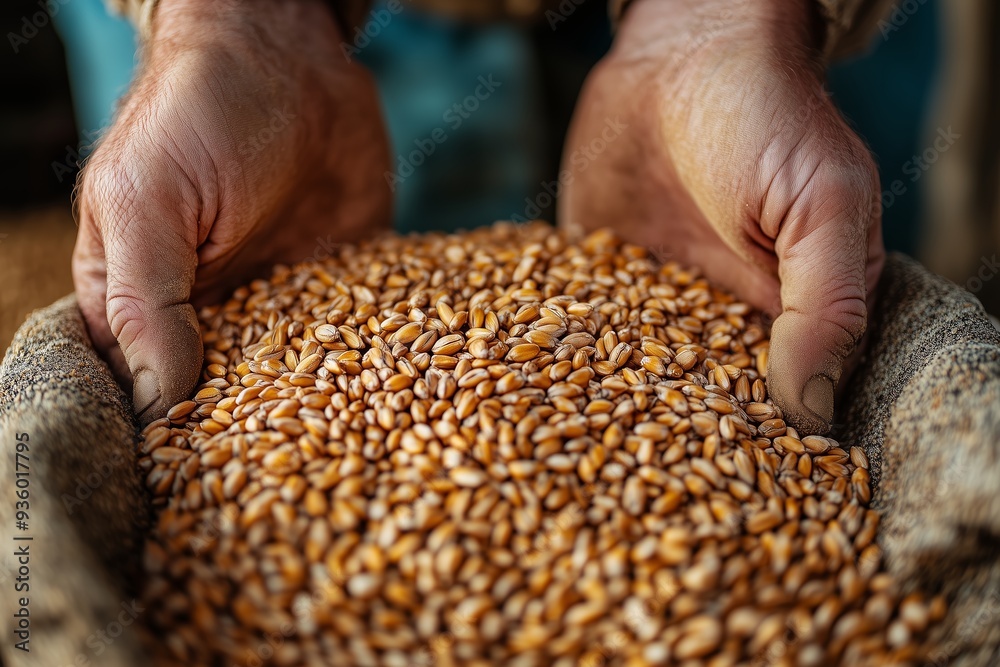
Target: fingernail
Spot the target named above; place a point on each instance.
(818, 397)
(145, 393)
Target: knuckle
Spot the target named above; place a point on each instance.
(111, 192)
(839, 202)
(125, 312)
(846, 174)
(846, 316)
(848, 178)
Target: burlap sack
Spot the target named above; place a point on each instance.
(925, 405)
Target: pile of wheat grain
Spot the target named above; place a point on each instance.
(501, 447)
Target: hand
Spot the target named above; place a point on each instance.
(734, 159)
(245, 137)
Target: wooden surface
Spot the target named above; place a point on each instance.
(35, 251)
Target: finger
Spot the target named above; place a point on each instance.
(827, 246)
(150, 261)
(90, 279)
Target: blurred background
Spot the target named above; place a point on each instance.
(65, 62)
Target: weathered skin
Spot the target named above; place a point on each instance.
(734, 159)
(245, 138)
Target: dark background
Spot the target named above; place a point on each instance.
(36, 113)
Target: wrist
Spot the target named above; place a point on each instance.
(302, 25)
(675, 31)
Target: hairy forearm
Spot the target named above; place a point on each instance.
(687, 23)
(306, 24)
(186, 15)
(835, 27)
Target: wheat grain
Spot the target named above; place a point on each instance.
(503, 447)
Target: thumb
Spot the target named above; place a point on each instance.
(138, 296)
(829, 250)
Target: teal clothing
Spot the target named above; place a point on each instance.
(100, 57)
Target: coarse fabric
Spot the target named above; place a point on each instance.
(87, 509)
(925, 405)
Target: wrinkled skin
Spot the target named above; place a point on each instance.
(733, 159)
(245, 138)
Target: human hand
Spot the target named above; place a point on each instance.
(734, 159)
(245, 136)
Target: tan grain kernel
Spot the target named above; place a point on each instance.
(505, 446)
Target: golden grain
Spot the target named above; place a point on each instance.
(503, 447)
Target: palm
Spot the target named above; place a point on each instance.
(226, 158)
(735, 161)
